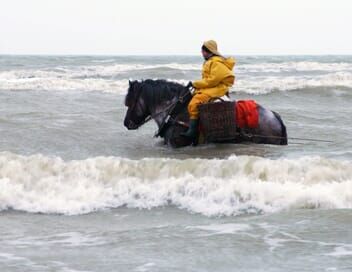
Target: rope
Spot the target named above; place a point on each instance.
(291, 138)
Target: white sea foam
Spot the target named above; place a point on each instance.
(237, 185)
(66, 84)
(67, 239)
(90, 71)
(114, 77)
(295, 66)
(341, 251)
(250, 85)
(216, 229)
(58, 81)
(145, 267)
(268, 84)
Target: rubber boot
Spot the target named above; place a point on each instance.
(192, 129)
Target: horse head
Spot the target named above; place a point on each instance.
(137, 111)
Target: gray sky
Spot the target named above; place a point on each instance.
(175, 27)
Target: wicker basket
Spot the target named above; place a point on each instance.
(218, 121)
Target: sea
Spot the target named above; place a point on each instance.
(79, 192)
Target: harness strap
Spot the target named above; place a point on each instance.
(170, 117)
(171, 110)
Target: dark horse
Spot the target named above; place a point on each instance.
(166, 103)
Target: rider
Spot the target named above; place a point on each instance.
(217, 78)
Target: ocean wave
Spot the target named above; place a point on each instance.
(87, 71)
(62, 80)
(250, 85)
(295, 66)
(65, 84)
(113, 78)
(87, 78)
(240, 184)
(268, 84)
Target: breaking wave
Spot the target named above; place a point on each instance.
(257, 78)
(296, 66)
(238, 185)
(268, 84)
(95, 78)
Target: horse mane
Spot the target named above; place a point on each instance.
(154, 90)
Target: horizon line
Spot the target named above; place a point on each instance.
(160, 55)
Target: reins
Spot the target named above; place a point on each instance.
(168, 111)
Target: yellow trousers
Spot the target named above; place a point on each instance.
(198, 98)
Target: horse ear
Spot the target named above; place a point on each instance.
(129, 82)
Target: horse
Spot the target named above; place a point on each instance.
(166, 102)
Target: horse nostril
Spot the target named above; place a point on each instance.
(128, 124)
(131, 125)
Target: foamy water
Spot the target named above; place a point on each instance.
(211, 187)
(253, 78)
(79, 192)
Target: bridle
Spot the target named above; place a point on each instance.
(133, 106)
(168, 111)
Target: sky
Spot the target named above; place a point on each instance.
(164, 27)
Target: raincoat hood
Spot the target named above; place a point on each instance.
(228, 62)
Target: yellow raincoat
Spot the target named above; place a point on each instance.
(217, 78)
